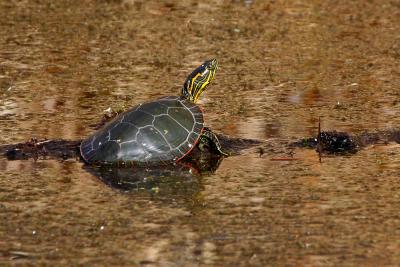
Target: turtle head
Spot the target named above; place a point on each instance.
(198, 80)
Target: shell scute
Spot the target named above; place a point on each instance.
(160, 131)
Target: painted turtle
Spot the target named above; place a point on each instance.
(161, 131)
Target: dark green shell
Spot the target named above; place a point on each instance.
(164, 130)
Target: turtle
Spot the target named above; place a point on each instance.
(161, 131)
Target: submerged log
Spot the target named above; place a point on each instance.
(330, 142)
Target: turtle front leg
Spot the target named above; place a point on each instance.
(210, 140)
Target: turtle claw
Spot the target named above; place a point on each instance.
(226, 154)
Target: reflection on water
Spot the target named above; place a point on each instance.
(129, 179)
(187, 171)
(282, 65)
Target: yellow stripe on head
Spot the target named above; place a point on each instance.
(203, 86)
(198, 80)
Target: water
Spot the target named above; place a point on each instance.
(282, 65)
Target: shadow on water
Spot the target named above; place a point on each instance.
(180, 176)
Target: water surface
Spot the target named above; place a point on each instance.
(282, 65)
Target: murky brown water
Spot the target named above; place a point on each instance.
(282, 64)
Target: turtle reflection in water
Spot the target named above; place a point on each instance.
(157, 132)
(176, 177)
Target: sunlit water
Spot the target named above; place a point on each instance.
(282, 65)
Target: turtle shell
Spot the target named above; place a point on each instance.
(164, 130)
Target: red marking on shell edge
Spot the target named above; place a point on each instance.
(190, 166)
(194, 145)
